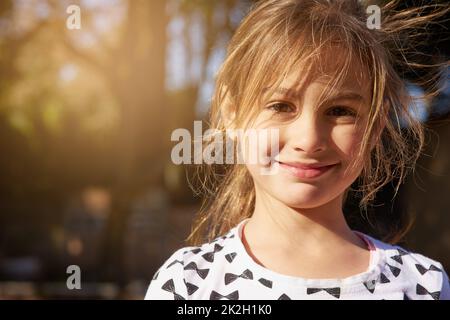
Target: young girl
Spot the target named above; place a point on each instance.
(314, 71)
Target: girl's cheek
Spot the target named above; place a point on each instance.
(348, 141)
(261, 146)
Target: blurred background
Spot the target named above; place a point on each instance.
(85, 122)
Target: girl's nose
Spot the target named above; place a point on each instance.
(306, 134)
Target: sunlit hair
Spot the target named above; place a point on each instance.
(279, 36)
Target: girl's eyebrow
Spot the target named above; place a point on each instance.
(349, 95)
(282, 91)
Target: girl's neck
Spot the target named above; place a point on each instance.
(313, 243)
(274, 224)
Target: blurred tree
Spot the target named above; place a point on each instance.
(90, 106)
(130, 64)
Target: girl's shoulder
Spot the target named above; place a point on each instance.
(171, 281)
(402, 256)
(427, 275)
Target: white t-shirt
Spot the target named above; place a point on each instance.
(223, 269)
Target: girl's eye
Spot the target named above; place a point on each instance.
(342, 112)
(281, 107)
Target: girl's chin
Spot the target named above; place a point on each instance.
(303, 200)
(303, 204)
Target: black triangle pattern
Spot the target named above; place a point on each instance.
(194, 251)
(203, 273)
(335, 292)
(230, 277)
(209, 256)
(265, 282)
(191, 288)
(370, 285)
(175, 262)
(395, 271)
(422, 270)
(170, 287)
(217, 296)
(230, 256)
(420, 290)
(284, 297)
(383, 278)
(398, 257)
(219, 238)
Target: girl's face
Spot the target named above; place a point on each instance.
(325, 133)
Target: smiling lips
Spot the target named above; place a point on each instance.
(305, 171)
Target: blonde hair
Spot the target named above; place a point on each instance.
(279, 35)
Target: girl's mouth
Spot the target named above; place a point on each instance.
(305, 171)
